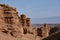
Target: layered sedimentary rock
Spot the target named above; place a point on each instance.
(11, 22)
(26, 24)
(44, 31)
(19, 27)
(14, 25)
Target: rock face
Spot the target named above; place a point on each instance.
(44, 31)
(10, 22)
(14, 27)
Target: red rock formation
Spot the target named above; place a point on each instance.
(43, 31)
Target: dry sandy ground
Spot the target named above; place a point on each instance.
(4, 36)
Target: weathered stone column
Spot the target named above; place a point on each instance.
(23, 20)
(28, 22)
(45, 30)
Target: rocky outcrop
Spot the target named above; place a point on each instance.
(44, 31)
(13, 26)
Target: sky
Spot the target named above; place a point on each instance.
(35, 8)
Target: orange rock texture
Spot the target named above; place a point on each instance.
(13, 26)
